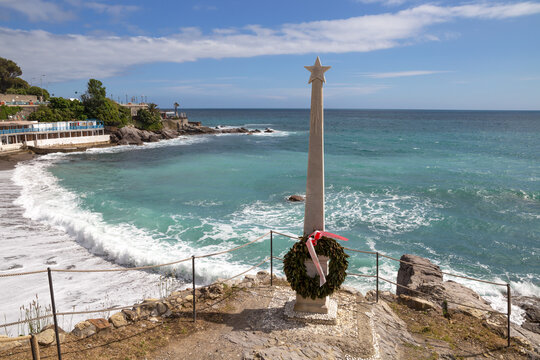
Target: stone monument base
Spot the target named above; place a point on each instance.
(329, 318)
(319, 306)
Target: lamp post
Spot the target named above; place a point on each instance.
(41, 85)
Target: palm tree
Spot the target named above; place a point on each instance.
(176, 105)
(153, 108)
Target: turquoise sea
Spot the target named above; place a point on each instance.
(459, 187)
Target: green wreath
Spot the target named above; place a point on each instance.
(295, 269)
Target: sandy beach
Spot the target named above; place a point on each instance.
(9, 160)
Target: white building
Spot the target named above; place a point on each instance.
(16, 134)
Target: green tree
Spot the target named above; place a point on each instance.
(16, 91)
(97, 106)
(18, 84)
(59, 109)
(45, 114)
(149, 119)
(94, 98)
(125, 114)
(9, 71)
(37, 91)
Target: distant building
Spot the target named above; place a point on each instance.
(18, 100)
(172, 115)
(15, 135)
(135, 107)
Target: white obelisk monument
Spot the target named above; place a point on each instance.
(314, 212)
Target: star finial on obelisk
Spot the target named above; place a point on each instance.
(317, 71)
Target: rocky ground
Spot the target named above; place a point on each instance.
(245, 319)
(132, 136)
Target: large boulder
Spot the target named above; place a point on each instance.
(48, 337)
(463, 295)
(118, 320)
(168, 134)
(84, 329)
(129, 135)
(101, 324)
(419, 274)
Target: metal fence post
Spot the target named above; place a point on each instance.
(509, 309)
(59, 351)
(271, 257)
(377, 291)
(35, 347)
(193, 273)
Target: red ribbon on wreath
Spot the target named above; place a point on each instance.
(311, 242)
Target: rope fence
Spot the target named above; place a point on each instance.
(193, 258)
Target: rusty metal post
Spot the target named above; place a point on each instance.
(35, 347)
(271, 257)
(509, 310)
(193, 273)
(377, 291)
(56, 333)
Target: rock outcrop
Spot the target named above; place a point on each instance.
(531, 306)
(417, 273)
(420, 274)
(130, 135)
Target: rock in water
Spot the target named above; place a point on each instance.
(296, 198)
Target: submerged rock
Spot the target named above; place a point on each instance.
(296, 198)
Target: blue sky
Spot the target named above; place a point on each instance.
(386, 54)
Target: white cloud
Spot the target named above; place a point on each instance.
(384, 2)
(37, 10)
(204, 7)
(103, 8)
(75, 56)
(396, 74)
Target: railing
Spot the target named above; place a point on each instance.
(18, 103)
(50, 129)
(271, 257)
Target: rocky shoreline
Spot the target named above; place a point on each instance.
(132, 136)
(392, 328)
